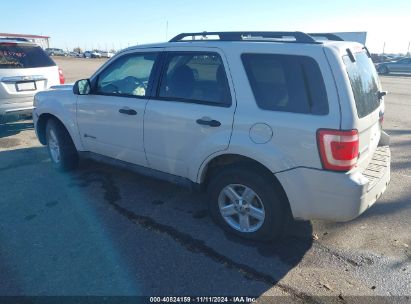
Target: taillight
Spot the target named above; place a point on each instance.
(61, 76)
(339, 150)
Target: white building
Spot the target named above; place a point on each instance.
(42, 41)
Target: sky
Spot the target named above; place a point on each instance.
(93, 24)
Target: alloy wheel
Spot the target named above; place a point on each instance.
(241, 208)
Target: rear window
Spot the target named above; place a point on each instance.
(364, 83)
(15, 56)
(286, 83)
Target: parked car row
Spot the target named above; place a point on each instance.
(86, 54)
(98, 54)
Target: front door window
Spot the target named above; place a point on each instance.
(127, 76)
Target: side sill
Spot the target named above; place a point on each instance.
(180, 181)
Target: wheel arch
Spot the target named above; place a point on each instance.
(218, 162)
(42, 124)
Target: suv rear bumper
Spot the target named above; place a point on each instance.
(319, 194)
(21, 106)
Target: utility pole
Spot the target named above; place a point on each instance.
(167, 30)
(408, 50)
(383, 49)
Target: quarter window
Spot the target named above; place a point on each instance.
(286, 83)
(196, 77)
(127, 76)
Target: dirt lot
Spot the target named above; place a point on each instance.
(106, 231)
(78, 68)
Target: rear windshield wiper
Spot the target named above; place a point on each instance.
(381, 94)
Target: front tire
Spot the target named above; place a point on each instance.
(247, 202)
(60, 146)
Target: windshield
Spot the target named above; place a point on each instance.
(364, 82)
(17, 56)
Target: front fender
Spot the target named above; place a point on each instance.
(62, 105)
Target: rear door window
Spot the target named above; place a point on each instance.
(364, 83)
(197, 77)
(286, 83)
(20, 56)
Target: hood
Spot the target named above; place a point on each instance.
(68, 86)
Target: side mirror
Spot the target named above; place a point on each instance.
(82, 87)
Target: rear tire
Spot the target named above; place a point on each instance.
(60, 146)
(262, 206)
(383, 70)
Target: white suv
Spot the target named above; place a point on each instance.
(25, 69)
(270, 124)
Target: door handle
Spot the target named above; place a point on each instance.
(127, 111)
(208, 122)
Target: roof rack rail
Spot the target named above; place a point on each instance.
(329, 36)
(299, 37)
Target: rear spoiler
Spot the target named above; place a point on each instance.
(359, 37)
(328, 36)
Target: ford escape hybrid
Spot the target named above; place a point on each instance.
(270, 124)
(25, 69)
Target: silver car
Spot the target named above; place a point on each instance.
(400, 66)
(25, 69)
(55, 52)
